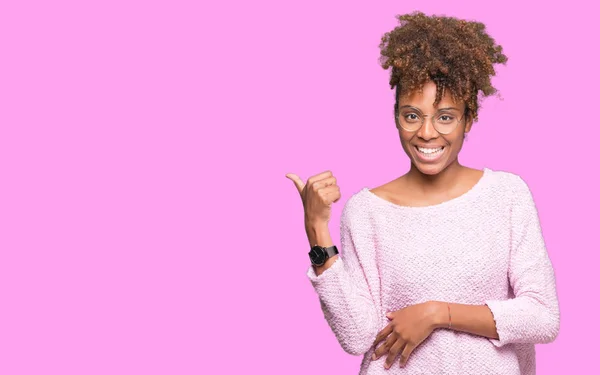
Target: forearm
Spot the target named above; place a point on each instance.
(344, 294)
(475, 319)
(318, 234)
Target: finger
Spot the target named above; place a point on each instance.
(297, 181)
(408, 349)
(385, 347)
(394, 351)
(320, 176)
(322, 183)
(330, 194)
(383, 334)
(334, 195)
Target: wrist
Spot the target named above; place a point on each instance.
(318, 234)
(315, 224)
(439, 314)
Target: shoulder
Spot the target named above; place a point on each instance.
(511, 188)
(509, 182)
(356, 207)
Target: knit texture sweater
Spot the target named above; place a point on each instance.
(483, 247)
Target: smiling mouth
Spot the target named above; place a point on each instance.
(430, 151)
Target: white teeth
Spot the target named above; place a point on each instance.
(429, 150)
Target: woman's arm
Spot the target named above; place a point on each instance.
(343, 286)
(532, 316)
(474, 319)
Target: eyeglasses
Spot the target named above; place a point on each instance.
(411, 119)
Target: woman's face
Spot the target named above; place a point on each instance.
(429, 151)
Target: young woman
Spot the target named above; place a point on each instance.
(443, 270)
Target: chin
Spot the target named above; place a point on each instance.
(430, 169)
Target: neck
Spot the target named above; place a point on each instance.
(438, 182)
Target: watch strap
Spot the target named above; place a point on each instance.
(331, 251)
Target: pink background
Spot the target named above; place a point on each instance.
(146, 224)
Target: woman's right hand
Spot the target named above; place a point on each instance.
(318, 194)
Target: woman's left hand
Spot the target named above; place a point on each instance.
(407, 329)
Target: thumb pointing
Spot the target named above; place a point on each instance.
(297, 181)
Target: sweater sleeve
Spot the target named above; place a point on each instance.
(532, 316)
(344, 293)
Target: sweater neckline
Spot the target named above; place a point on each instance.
(463, 197)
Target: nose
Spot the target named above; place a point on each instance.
(427, 131)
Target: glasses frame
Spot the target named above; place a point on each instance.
(423, 119)
(397, 117)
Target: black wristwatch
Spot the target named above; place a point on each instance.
(318, 254)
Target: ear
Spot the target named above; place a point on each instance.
(469, 123)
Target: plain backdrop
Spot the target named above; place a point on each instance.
(146, 224)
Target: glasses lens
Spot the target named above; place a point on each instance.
(445, 123)
(411, 120)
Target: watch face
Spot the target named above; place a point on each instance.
(317, 255)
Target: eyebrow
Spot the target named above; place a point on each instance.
(440, 109)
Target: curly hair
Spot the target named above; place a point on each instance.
(455, 54)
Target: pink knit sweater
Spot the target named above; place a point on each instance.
(484, 247)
